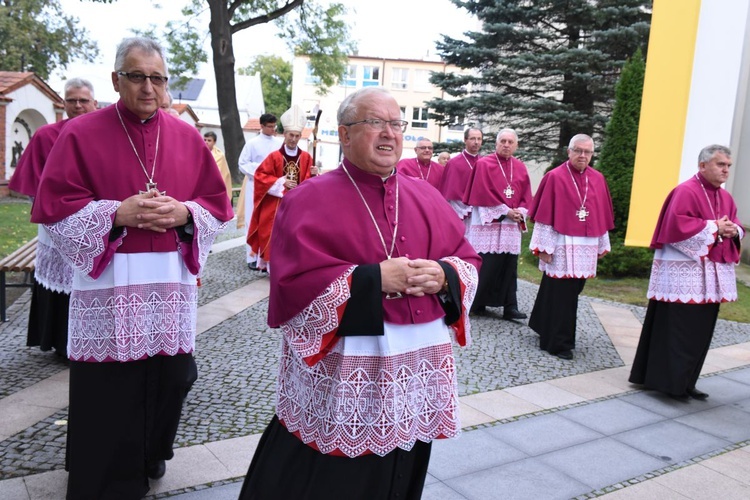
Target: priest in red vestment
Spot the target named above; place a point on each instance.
(697, 246)
(572, 214)
(281, 171)
(53, 276)
(369, 290)
(499, 191)
(422, 167)
(457, 174)
(132, 199)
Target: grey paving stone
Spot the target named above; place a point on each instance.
(725, 422)
(601, 463)
(528, 479)
(611, 416)
(723, 390)
(223, 492)
(661, 404)
(671, 442)
(440, 491)
(741, 375)
(472, 451)
(542, 434)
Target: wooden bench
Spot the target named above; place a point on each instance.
(23, 261)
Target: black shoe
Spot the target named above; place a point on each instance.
(682, 398)
(156, 469)
(513, 313)
(567, 355)
(696, 394)
(252, 267)
(478, 310)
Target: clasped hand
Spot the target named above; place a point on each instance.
(151, 211)
(416, 277)
(727, 228)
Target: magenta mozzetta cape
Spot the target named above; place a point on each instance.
(332, 231)
(487, 184)
(93, 160)
(432, 173)
(457, 175)
(556, 202)
(26, 177)
(685, 212)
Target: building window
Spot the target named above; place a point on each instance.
(310, 79)
(422, 80)
(400, 78)
(370, 76)
(403, 112)
(350, 77)
(419, 118)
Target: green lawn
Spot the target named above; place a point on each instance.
(15, 228)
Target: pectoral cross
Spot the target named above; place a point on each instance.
(508, 192)
(151, 186)
(582, 213)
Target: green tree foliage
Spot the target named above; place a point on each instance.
(616, 162)
(276, 81)
(36, 35)
(545, 67)
(308, 28)
(617, 157)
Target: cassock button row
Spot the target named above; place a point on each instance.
(407, 256)
(390, 191)
(390, 207)
(394, 223)
(403, 238)
(418, 312)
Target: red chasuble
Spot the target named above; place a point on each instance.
(264, 209)
(26, 177)
(490, 180)
(685, 212)
(457, 175)
(557, 202)
(432, 172)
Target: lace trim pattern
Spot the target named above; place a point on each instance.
(462, 209)
(495, 238)
(304, 332)
(543, 239)
(207, 228)
(128, 323)
(691, 282)
(489, 214)
(469, 277)
(371, 403)
(52, 271)
(696, 247)
(81, 237)
(572, 256)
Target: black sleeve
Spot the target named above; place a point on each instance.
(116, 232)
(364, 310)
(451, 301)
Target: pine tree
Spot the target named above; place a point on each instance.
(617, 157)
(544, 67)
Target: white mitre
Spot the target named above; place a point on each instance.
(293, 119)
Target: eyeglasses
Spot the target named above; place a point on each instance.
(580, 151)
(82, 102)
(398, 126)
(156, 80)
(424, 148)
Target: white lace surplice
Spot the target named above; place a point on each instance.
(572, 256)
(682, 273)
(369, 394)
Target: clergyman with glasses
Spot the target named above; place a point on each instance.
(132, 199)
(48, 314)
(422, 167)
(572, 214)
(369, 289)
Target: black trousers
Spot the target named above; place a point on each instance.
(674, 342)
(48, 320)
(122, 415)
(498, 281)
(555, 312)
(284, 467)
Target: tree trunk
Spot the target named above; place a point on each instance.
(226, 95)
